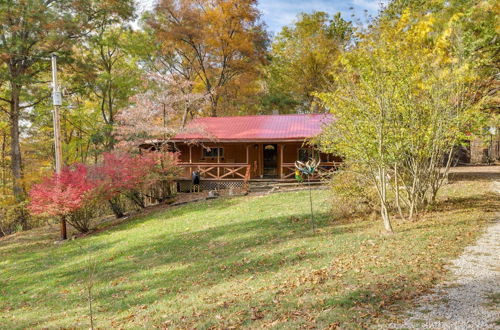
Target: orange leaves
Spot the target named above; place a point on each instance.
(118, 281)
(217, 42)
(257, 314)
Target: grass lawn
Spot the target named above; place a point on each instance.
(246, 261)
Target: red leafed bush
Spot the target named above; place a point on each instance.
(159, 186)
(130, 176)
(165, 164)
(62, 194)
(79, 193)
(121, 172)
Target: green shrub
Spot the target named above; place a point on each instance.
(14, 217)
(84, 219)
(352, 193)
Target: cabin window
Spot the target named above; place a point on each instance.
(213, 152)
(306, 153)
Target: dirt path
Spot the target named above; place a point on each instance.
(471, 298)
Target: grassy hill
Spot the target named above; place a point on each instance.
(245, 261)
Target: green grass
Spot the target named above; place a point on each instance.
(246, 261)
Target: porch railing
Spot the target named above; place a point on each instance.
(219, 171)
(288, 169)
(241, 171)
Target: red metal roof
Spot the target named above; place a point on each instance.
(255, 128)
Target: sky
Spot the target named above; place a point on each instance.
(278, 13)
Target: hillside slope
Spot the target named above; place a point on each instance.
(245, 261)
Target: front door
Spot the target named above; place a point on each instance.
(270, 160)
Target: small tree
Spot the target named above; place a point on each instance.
(164, 170)
(121, 174)
(158, 113)
(401, 105)
(61, 195)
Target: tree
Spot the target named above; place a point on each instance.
(4, 128)
(302, 57)
(30, 30)
(159, 112)
(60, 195)
(109, 68)
(403, 100)
(476, 22)
(124, 174)
(209, 42)
(76, 194)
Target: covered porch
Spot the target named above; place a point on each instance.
(272, 160)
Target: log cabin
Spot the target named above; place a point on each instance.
(231, 150)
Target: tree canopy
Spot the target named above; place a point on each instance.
(423, 72)
(302, 58)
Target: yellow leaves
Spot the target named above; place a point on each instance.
(421, 85)
(456, 17)
(411, 27)
(420, 32)
(431, 34)
(443, 41)
(404, 20)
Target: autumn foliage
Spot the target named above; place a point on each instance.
(81, 186)
(61, 194)
(120, 172)
(218, 44)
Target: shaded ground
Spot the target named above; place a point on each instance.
(486, 172)
(242, 262)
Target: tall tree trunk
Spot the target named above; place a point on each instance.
(184, 117)
(385, 217)
(213, 111)
(15, 148)
(382, 173)
(214, 100)
(3, 163)
(111, 117)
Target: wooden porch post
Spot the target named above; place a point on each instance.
(249, 167)
(282, 146)
(248, 154)
(190, 161)
(261, 160)
(218, 160)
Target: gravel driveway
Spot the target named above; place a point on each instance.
(471, 299)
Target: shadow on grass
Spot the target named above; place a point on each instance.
(456, 205)
(40, 240)
(485, 201)
(474, 176)
(172, 263)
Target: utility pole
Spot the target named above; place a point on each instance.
(57, 101)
